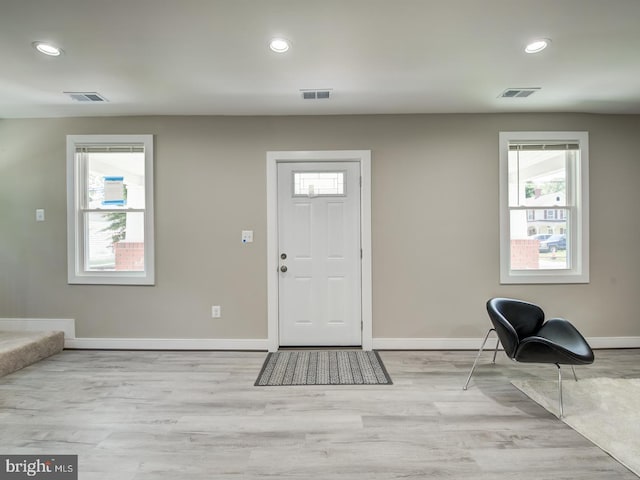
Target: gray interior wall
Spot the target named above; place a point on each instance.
(434, 216)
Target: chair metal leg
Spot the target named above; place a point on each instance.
(495, 352)
(560, 405)
(574, 373)
(486, 337)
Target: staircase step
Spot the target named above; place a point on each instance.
(20, 349)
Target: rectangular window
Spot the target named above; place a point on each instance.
(544, 188)
(110, 209)
(316, 184)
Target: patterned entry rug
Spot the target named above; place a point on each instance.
(324, 367)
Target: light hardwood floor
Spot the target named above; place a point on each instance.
(196, 415)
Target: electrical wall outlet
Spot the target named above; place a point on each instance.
(216, 311)
(247, 236)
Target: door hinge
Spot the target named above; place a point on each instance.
(360, 253)
(360, 181)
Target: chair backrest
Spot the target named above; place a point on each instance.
(513, 321)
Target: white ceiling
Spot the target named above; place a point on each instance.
(211, 57)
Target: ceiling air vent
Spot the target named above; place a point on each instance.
(316, 94)
(86, 96)
(518, 92)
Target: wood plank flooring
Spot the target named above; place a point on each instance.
(196, 415)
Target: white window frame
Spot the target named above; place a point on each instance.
(577, 203)
(76, 271)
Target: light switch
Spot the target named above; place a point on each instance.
(247, 236)
(39, 214)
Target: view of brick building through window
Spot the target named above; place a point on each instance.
(129, 256)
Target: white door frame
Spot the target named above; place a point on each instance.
(273, 158)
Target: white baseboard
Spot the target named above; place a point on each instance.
(428, 343)
(66, 325)
(614, 342)
(168, 344)
(474, 343)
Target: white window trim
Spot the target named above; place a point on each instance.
(75, 246)
(579, 262)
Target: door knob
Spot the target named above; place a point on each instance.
(283, 268)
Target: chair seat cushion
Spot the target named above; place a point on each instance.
(557, 341)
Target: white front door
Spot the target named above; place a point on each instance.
(319, 286)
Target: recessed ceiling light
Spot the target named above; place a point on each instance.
(279, 45)
(537, 45)
(47, 49)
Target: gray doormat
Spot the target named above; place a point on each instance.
(323, 367)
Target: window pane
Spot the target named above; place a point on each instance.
(114, 241)
(544, 207)
(114, 179)
(538, 177)
(110, 209)
(539, 241)
(318, 183)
